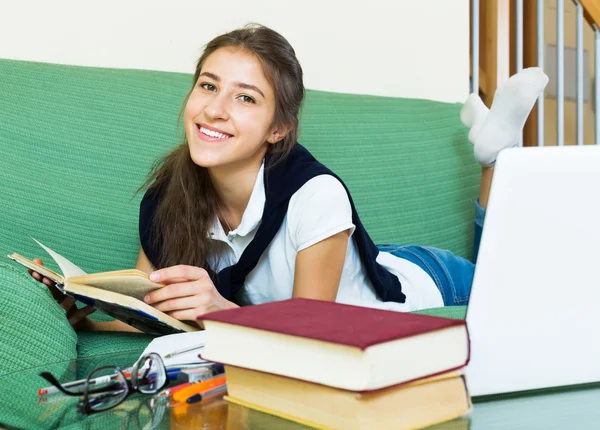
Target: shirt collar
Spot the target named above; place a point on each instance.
(252, 215)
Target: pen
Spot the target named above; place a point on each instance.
(171, 373)
(213, 368)
(168, 392)
(197, 388)
(76, 384)
(198, 397)
(172, 390)
(216, 369)
(181, 351)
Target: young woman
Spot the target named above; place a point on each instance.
(241, 214)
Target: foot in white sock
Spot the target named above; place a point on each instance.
(472, 115)
(502, 126)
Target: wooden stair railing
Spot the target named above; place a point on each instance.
(591, 11)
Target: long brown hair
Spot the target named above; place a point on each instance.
(188, 201)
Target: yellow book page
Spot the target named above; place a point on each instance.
(44, 271)
(442, 398)
(132, 282)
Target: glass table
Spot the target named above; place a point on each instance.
(22, 407)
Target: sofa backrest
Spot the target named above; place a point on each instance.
(77, 142)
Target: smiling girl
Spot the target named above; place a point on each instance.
(241, 214)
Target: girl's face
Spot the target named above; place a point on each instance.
(229, 114)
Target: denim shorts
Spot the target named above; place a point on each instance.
(453, 275)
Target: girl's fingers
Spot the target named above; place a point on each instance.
(174, 280)
(67, 303)
(181, 303)
(74, 315)
(171, 291)
(79, 314)
(37, 276)
(56, 295)
(176, 274)
(184, 315)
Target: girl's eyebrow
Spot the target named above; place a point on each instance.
(237, 84)
(249, 87)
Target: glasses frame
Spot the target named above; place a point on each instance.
(131, 386)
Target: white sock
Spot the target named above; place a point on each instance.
(502, 126)
(472, 115)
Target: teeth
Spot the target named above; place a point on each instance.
(213, 133)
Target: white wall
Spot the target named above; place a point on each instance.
(407, 48)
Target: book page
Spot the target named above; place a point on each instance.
(68, 268)
(134, 283)
(42, 270)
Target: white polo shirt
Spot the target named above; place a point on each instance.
(318, 210)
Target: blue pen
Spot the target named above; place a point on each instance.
(215, 369)
(172, 373)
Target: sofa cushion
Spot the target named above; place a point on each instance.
(456, 312)
(34, 329)
(407, 163)
(90, 344)
(77, 142)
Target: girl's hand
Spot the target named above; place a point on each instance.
(77, 317)
(188, 293)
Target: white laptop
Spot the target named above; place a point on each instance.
(534, 310)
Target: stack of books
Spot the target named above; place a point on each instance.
(330, 365)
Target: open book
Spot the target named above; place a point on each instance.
(119, 294)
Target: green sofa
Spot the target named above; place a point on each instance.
(78, 141)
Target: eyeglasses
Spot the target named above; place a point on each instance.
(107, 386)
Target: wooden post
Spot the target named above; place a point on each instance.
(529, 60)
(495, 45)
(488, 44)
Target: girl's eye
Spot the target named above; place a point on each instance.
(209, 87)
(247, 99)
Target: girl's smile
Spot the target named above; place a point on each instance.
(211, 134)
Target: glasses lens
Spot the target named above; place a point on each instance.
(107, 387)
(151, 375)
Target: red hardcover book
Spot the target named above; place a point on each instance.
(343, 346)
